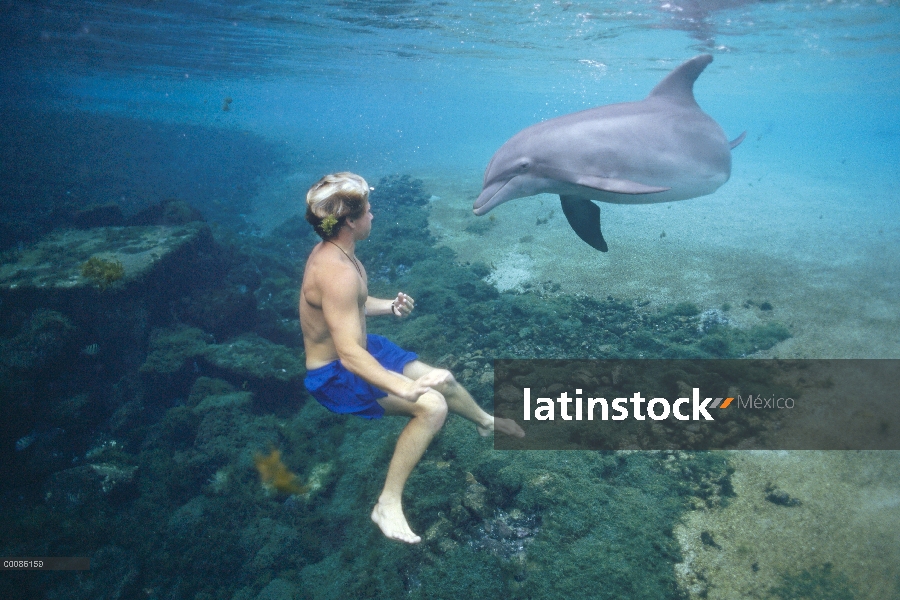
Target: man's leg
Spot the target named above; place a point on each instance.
(427, 417)
(461, 402)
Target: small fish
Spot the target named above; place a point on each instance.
(26, 441)
(37, 436)
(275, 475)
(91, 350)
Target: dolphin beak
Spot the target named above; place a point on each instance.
(489, 198)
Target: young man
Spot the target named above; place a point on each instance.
(350, 372)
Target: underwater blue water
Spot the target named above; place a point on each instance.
(412, 86)
(432, 88)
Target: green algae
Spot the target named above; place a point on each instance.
(250, 355)
(246, 356)
(102, 272)
(578, 517)
(220, 401)
(207, 386)
(171, 348)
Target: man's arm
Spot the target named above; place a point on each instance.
(340, 295)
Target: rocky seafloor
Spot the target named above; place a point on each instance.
(137, 396)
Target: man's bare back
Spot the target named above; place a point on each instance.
(321, 267)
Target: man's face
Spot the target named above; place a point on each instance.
(364, 223)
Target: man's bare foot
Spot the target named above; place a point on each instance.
(507, 426)
(389, 517)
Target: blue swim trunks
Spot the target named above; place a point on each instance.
(342, 392)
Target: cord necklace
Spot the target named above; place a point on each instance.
(353, 260)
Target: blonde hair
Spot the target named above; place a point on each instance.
(334, 199)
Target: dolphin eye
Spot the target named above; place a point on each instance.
(523, 166)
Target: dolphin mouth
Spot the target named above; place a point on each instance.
(489, 198)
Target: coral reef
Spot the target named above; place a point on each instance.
(198, 368)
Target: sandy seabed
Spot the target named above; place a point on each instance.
(848, 516)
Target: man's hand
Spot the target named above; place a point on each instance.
(402, 305)
(435, 377)
(426, 383)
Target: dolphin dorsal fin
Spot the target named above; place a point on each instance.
(679, 84)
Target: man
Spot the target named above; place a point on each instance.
(350, 372)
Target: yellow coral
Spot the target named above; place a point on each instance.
(275, 475)
(102, 272)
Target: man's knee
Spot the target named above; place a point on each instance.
(433, 408)
(450, 385)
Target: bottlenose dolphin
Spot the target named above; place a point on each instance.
(659, 149)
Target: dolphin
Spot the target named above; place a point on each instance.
(659, 149)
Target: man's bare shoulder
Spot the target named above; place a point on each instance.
(328, 273)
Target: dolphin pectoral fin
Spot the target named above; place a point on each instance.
(737, 141)
(584, 217)
(618, 186)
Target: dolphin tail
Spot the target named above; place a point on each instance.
(737, 141)
(584, 217)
